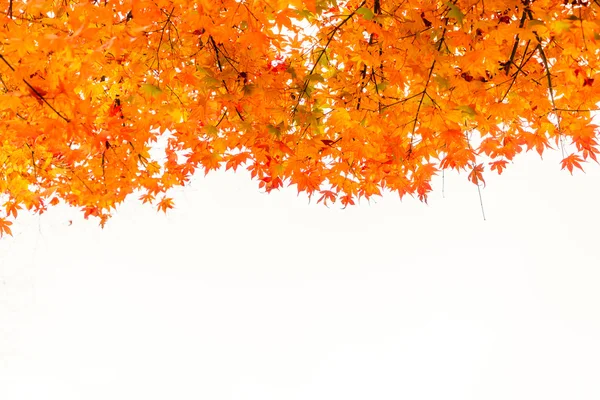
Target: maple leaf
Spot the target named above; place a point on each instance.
(147, 198)
(455, 12)
(347, 200)
(499, 166)
(211, 161)
(540, 142)
(476, 174)
(165, 204)
(570, 162)
(5, 227)
(284, 19)
(327, 195)
(311, 5)
(90, 210)
(11, 208)
(235, 160)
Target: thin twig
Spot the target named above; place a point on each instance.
(217, 52)
(577, 109)
(34, 90)
(221, 119)
(33, 161)
(162, 33)
(516, 75)
(481, 202)
(331, 36)
(582, 32)
(550, 86)
(401, 101)
(516, 45)
(423, 93)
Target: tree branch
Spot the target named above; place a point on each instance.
(162, 33)
(520, 69)
(550, 86)
(217, 52)
(516, 45)
(424, 93)
(34, 90)
(331, 35)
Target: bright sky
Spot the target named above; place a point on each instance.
(237, 294)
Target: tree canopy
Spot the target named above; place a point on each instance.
(343, 99)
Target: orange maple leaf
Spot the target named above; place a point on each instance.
(165, 204)
(572, 161)
(347, 200)
(11, 208)
(499, 165)
(146, 198)
(235, 160)
(476, 174)
(5, 227)
(327, 195)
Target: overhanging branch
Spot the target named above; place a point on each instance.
(331, 36)
(34, 90)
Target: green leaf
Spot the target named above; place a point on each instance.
(441, 81)
(366, 13)
(468, 110)
(382, 86)
(534, 22)
(315, 77)
(151, 89)
(274, 130)
(212, 130)
(455, 13)
(303, 14)
(211, 82)
(324, 60)
(427, 101)
(562, 26)
(292, 72)
(249, 89)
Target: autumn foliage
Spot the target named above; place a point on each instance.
(103, 99)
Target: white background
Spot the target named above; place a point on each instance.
(237, 294)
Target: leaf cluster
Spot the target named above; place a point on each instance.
(100, 100)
